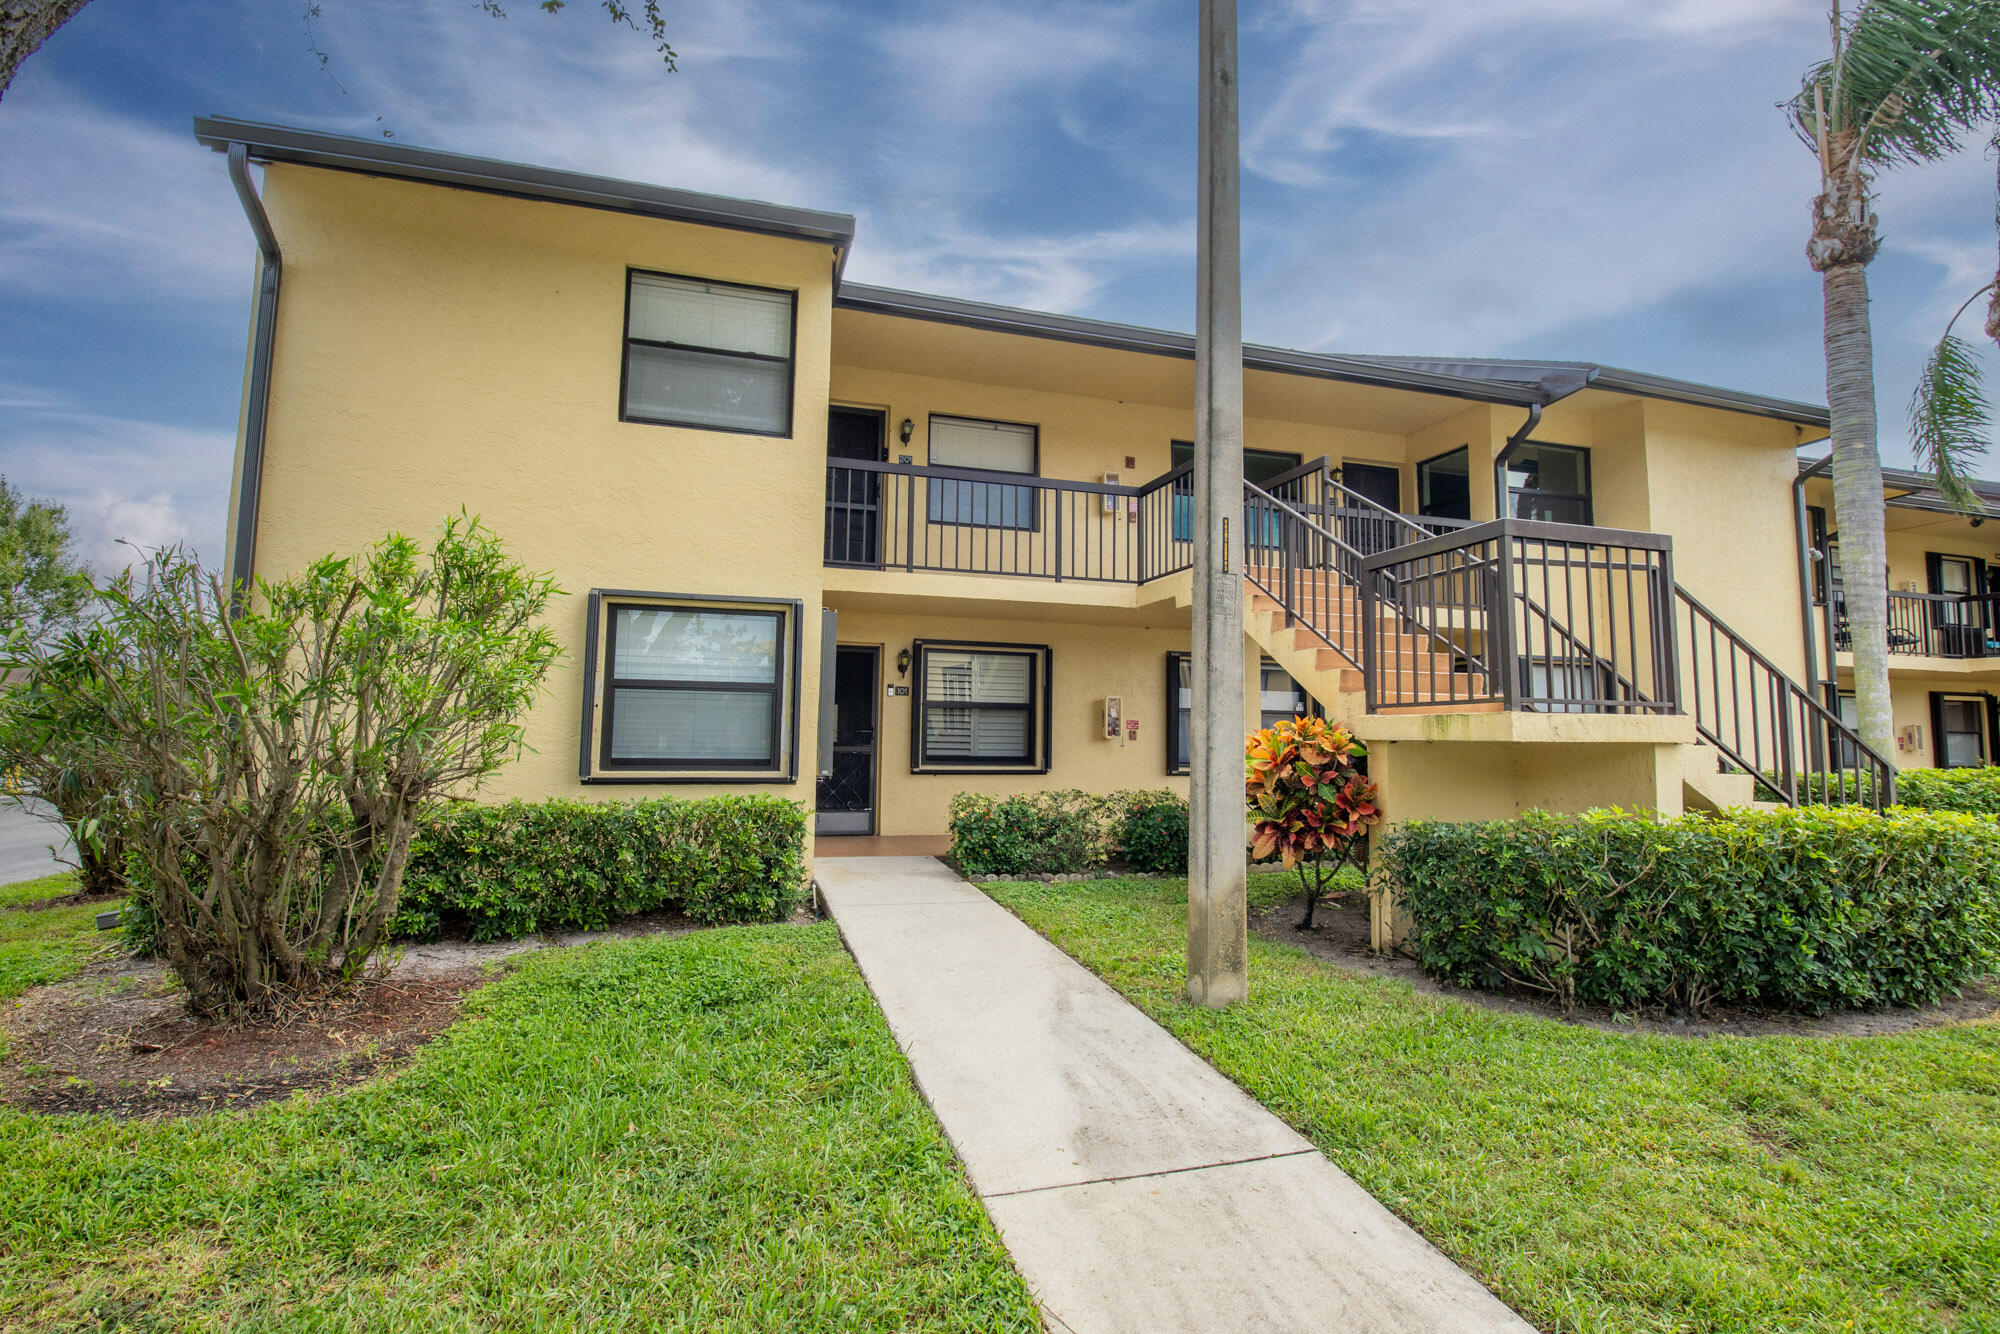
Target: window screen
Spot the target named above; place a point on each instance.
(963, 442)
(708, 354)
(1550, 483)
(691, 688)
(979, 706)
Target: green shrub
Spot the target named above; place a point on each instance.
(1151, 831)
(1974, 791)
(501, 871)
(1029, 833)
(1799, 910)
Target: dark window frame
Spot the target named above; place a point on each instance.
(1989, 720)
(1586, 495)
(1041, 691)
(1423, 506)
(1178, 764)
(790, 360)
(594, 743)
(932, 494)
(1568, 665)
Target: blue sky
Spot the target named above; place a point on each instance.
(1588, 179)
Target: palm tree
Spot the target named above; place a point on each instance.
(1950, 418)
(1906, 82)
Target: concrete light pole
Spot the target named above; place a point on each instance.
(1217, 958)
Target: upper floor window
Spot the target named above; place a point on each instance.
(1550, 483)
(706, 354)
(1444, 485)
(983, 446)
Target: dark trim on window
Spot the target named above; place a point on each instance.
(931, 492)
(1589, 502)
(791, 360)
(1177, 763)
(1939, 698)
(1423, 506)
(594, 744)
(1041, 691)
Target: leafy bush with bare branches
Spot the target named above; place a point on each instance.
(277, 755)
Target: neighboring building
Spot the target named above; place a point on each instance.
(868, 548)
(1944, 636)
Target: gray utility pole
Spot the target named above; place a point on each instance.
(1217, 958)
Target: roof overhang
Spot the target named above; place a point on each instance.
(339, 152)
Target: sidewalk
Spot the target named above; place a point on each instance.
(1136, 1188)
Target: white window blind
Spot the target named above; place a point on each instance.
(675, 644)
(714, 316)
(693, 688)
(961, 442)
(708, 354)
(978, 706)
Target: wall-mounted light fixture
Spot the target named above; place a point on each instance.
(906, 430)
(903, 663)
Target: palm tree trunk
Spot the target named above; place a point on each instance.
(1857, 495)
(24, 26)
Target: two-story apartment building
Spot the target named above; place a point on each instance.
(1944, 636)
(868, 548)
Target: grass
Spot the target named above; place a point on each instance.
(47, 944)
(1600, 1181)
(707, 1132)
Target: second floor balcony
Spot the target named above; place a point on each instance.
(1931, 625)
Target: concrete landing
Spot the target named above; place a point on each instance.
(1136, 1188)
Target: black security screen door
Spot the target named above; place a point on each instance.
(853, 497)
(847, 795)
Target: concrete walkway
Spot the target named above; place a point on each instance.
(1136, 1188)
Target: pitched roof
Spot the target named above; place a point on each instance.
(1517, 382)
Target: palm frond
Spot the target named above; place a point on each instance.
(1950, 419)
(1911, 78)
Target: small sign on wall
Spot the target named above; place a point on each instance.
(1114, 717)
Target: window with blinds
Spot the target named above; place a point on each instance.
(693, 688)
(1280, 698)
(965, 442)
(977, 706)
(706, 354)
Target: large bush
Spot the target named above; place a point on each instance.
(1029, 833)
(501, 871)
(1801, 910)
(274, 747)
(1150, 830)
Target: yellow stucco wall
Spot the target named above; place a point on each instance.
(441, 348)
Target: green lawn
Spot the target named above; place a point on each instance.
(48, 944)
(1599, 1181)
(708, 1132)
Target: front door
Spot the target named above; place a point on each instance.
(854, 496)
(847, 794)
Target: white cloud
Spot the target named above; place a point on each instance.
(1059, 273)
(149, 484)
(99, 206)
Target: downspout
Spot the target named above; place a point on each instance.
(1506, 456)
(1802, 531)
(257, 394)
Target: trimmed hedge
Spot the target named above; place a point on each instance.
(1060, 833)
(1800, 910)
(1974, 791)
(496, 872)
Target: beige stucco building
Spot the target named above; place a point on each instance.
(867, 548)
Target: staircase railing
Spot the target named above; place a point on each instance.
(1768, 725)
(1311, 573)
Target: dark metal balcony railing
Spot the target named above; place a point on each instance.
(1934, 625)
(1539, 617)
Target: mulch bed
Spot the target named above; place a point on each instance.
(1341, 936)
(116, 1039)
(66, 901)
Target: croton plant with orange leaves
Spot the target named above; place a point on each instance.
(1312, 805)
